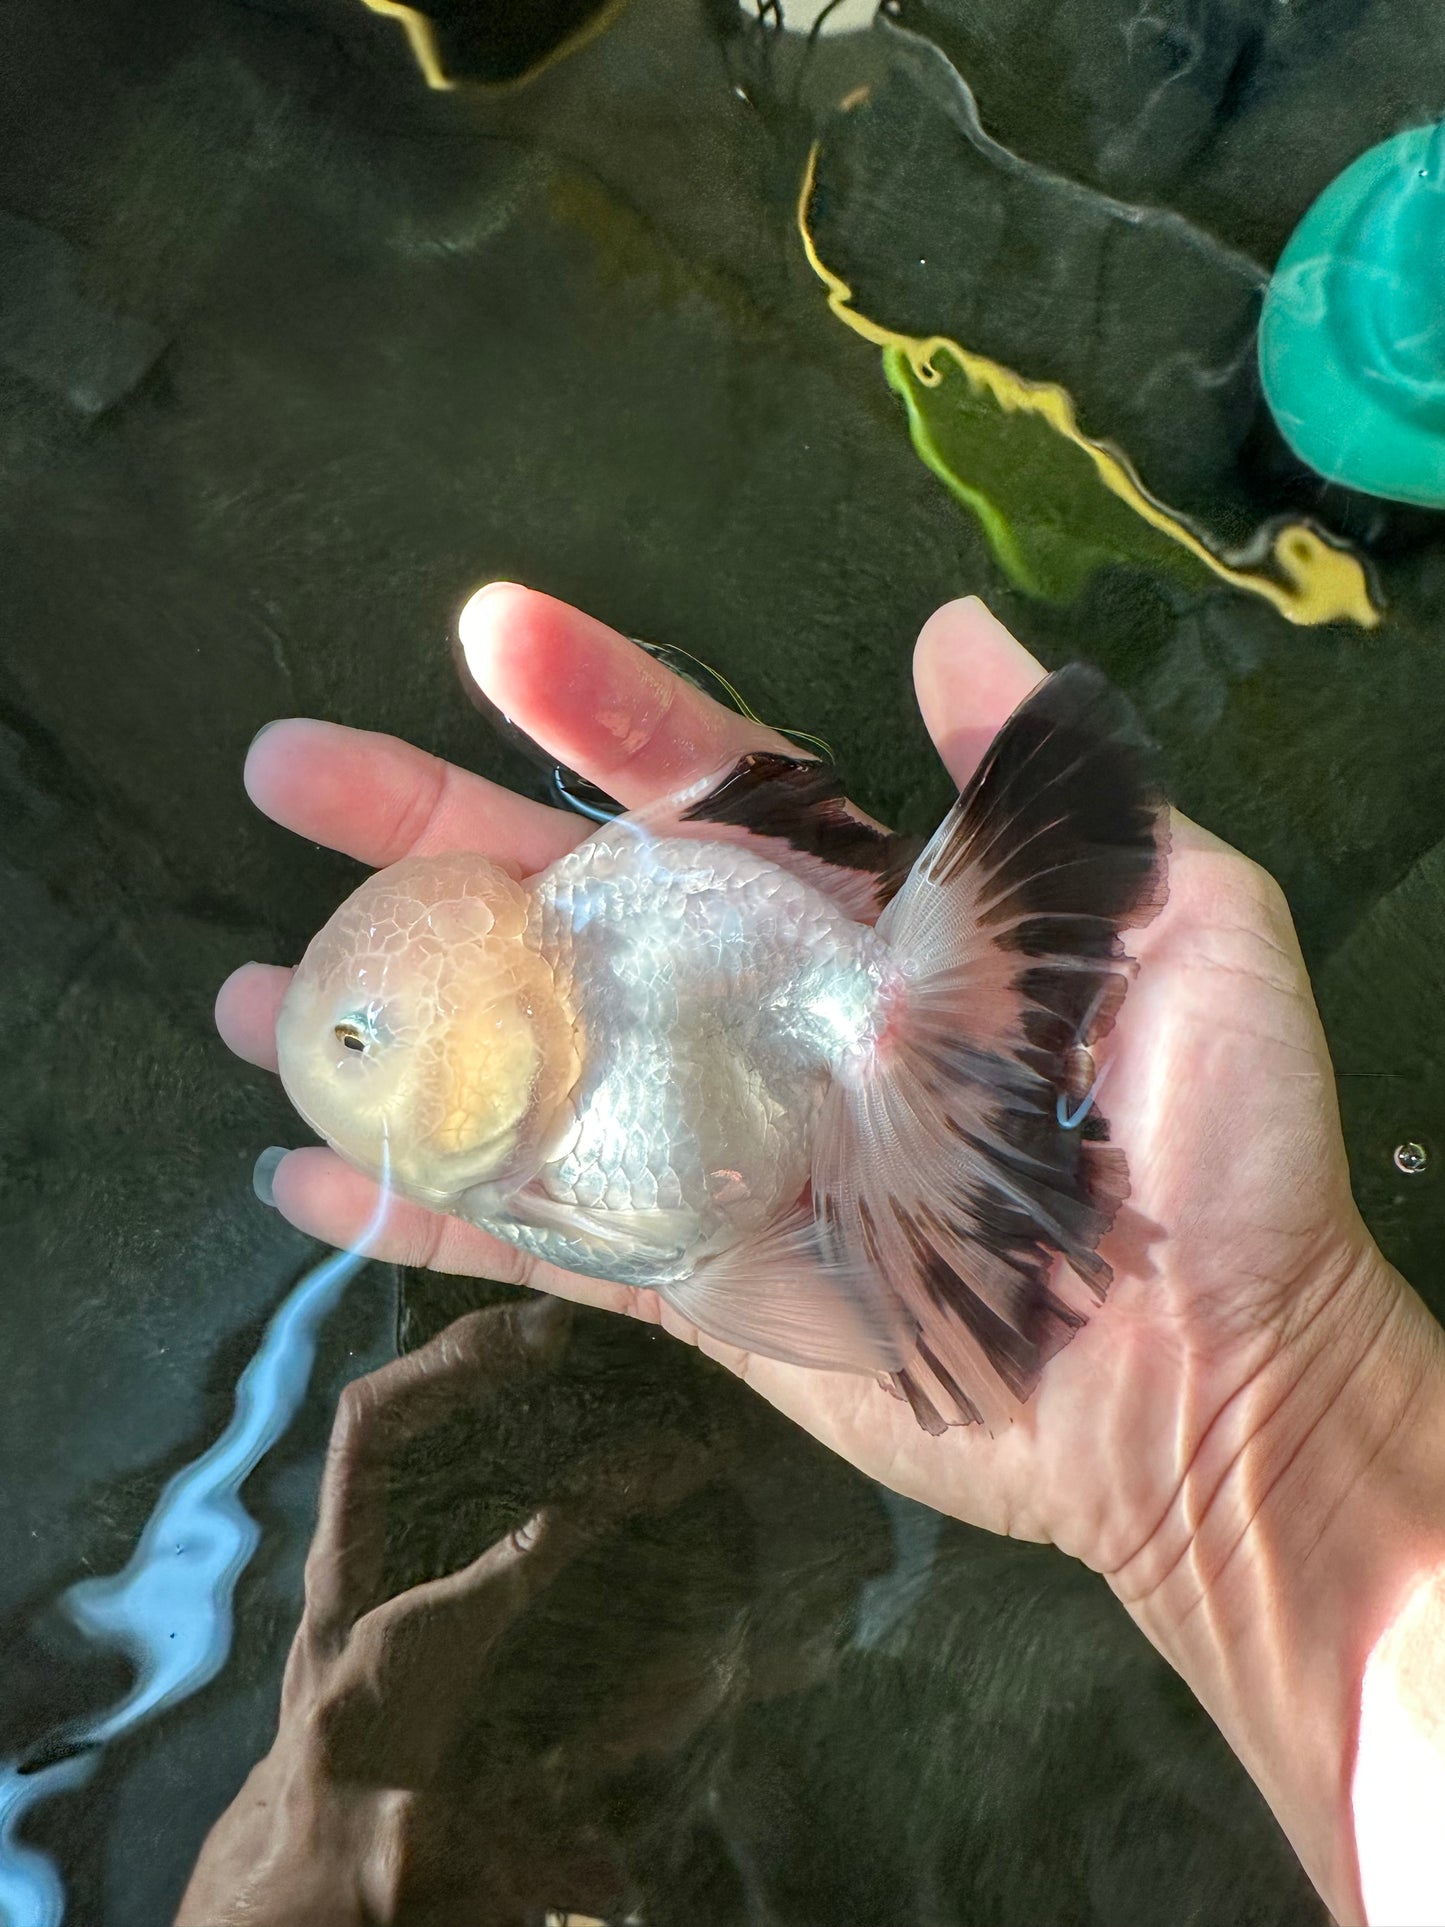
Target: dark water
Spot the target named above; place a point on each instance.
(295, 351)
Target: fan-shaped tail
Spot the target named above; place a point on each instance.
(970, 1158)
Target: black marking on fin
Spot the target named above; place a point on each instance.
(1064, 821)
(803, 804)
(905, 1385)
(1013, 926)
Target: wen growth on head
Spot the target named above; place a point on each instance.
(686, 1057)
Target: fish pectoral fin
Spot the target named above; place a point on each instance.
(622, 1245)
(666, 1233)
(784, 1294)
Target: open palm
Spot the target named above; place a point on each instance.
(1240, 1228)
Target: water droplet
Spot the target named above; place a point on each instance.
(1411, 1158)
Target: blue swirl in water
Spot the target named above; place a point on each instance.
(1352, 337)
(169, 1610)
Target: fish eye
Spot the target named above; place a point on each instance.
(351, 1035)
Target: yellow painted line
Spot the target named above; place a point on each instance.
(421, 38)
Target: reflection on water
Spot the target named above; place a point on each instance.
(1056, 503)
(886, 1600)
(169, 1610)
(494, 1704)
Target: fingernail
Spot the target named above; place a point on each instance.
(466, 618)
(262, 731)
(265, 1171)
(977, 602)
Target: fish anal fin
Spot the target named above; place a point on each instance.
(785, 1294)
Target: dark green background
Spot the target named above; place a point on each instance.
(293, 354)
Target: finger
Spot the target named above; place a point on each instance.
(475, 1358)
(469, 1609)
(380, 799)
(314, 1190)
(320, 1195)
(247, 1006)
(595, 701)
(419, 1662)
(969, 675)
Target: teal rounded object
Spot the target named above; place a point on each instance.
(1352, 337)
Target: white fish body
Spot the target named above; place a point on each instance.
(636, 1065)
(716, 996)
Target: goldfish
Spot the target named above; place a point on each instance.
(830, 1098)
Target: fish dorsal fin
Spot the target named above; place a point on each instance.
(794, 812)
(964, 1164)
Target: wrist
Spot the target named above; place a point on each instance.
(1311, 1508)
(292, 1846)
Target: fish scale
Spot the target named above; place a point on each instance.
(705, 1056)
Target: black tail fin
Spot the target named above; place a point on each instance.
(962, 1166)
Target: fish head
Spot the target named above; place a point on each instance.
(423, 1037)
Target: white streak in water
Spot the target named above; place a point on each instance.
(170, 1609)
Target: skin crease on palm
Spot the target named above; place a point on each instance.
(1217, 1079)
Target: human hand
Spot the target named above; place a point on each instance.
(1232, 1438)
(340, 1822)
(1240, 1233)
(475, 1718)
